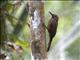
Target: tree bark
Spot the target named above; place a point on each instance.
(38, 45)
(2, 27)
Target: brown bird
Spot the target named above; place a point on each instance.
(52, 28)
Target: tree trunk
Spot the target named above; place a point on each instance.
(2, 28)
(38, 45)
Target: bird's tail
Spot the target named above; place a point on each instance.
(49, 44)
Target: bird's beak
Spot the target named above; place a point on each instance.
(50, 13)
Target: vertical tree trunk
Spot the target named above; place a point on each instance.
(2, 28)
(38, 45)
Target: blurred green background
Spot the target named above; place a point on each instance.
(15, 30)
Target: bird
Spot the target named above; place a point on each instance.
(52, 28)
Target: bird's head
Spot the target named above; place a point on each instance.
(54, 16)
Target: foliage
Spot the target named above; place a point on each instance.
(18, 32)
